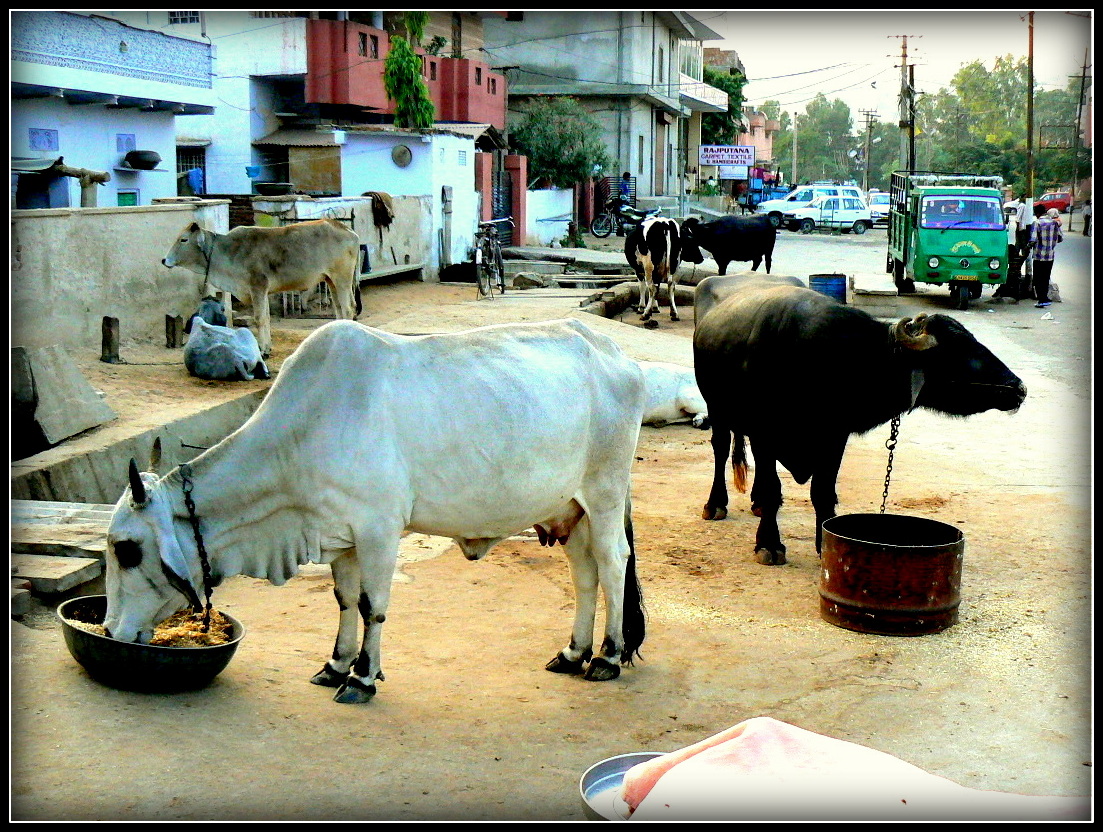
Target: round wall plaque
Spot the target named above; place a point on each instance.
(401, 155)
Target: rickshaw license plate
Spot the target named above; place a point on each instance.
(964, 277)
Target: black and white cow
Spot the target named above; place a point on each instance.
(796, 373)
(328, 470)
(730, 238)
(654, 251)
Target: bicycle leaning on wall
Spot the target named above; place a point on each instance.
(489, 272)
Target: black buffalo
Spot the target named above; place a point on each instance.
(796, 373)
(728, 239)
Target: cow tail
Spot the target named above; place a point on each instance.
(739, 463)
(634, 615)
(356, 291)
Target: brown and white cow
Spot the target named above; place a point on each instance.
(654, 251)
(252, 261)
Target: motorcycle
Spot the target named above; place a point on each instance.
(620, 217)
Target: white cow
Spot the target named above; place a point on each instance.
(221, 353)
(672, 395)
(331, 468)
(254, 261)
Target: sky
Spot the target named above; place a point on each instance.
(854, 56)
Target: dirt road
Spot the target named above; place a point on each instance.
(469, 726)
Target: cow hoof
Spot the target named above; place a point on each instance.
(714, 513)
(601, 670)
(561, 664)
(354, 692)
(770, 557)
(329, 678)
(651, 323)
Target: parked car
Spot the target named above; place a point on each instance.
(879, 208)
(801, 196)
(848, 213)
(1061, 200)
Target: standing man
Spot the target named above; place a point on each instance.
(1024, 219)
(1045, 236)
(1087, 209)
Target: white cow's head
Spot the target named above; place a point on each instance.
(190, 249)
(148, 575)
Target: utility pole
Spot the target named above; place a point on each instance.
(870, 117)
(907, 105)
(1030, 109)
(794, 179)
(1076, 135)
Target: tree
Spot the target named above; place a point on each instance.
(561, 140)
(402, 77)
(825, 140)
(724, 128)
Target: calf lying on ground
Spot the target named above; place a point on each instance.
(221, 353)
(672, 395)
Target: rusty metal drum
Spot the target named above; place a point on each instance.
(890, 574)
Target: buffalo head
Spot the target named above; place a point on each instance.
(957, 374)
(691, 250)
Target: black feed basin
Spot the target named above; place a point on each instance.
(141, 667)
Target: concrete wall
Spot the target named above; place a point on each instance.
(544, 209)
(408, 239)
(71, 267)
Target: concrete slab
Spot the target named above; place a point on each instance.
(75, 540)
(51, 575)
(20, 598)
(67, 404)
(56, 513)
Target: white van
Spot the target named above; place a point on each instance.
(803, 196)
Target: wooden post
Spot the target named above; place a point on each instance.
(88, 179)
(174, 331)
(109, 352)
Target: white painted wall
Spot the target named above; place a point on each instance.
(543, 205)
(273, 46)
(87, 139)
(438, 160)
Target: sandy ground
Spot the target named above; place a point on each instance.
(469, 726)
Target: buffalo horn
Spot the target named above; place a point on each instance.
(155, 455)
(137, 487)
(912, 333)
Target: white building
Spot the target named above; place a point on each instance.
(86, 91)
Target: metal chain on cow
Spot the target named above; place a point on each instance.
(890, 443)
(188, 486)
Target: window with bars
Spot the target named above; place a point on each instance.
(189, 159)
(272, 14)
(183, 17)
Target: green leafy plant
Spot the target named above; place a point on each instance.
(561, 140)
(402, 78)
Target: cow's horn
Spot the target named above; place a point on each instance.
(155, 455)
(912, 333)
(137, 487)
